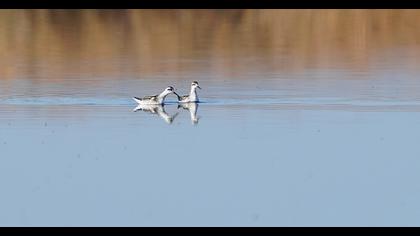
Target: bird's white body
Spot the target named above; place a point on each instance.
(192, 97)
(147, 101)
(155, 99)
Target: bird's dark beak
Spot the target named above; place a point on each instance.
(198, 87)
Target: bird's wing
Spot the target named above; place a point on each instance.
(154, 97)
(184, 97)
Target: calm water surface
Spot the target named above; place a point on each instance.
(300, 124)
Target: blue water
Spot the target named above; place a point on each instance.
(254, 158)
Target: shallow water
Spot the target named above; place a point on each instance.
(333, 143)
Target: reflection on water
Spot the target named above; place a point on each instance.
(57, 45)
(157, 109)
(160, 111)
(192, 107)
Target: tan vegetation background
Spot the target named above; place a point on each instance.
(53, 44)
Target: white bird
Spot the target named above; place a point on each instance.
(192, 97)
(155, 99)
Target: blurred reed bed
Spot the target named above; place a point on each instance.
(56, 44)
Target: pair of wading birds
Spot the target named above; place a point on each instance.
(160, 98)
(155, 103)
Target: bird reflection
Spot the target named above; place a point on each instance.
(156, 109)
(192, 107)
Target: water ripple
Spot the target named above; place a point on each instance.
(94, 101)
(46, 101)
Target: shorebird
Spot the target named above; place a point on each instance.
(192, 97)
(156, 109)
(155, 99)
